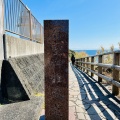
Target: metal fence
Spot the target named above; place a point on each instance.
(19, 20)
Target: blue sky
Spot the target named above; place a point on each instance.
(92, 23)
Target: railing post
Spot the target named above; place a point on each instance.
(116, 58)
(81, 63)
(76, 62)
(100, 68)
(92, 66)
(30, 23)
(87, 64)
(84, 64)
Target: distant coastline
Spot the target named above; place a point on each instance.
(89, 52)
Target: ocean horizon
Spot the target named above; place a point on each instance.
(89, 52)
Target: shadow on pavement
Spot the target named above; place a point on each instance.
(97, 100)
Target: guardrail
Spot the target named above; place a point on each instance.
(83, 63)
(19, 20)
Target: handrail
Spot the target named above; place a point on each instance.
(105, 77)
(83, 63)
(103, 65)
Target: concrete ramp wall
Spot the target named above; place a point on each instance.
(23, 76)
(0, 70)
(0, 80)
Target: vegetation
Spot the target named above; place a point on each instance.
(80, 54)
(77, 54)
(112, 48)
(98, 52)
(102, 50)
(108, 59)
(71, 52)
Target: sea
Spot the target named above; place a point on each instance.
(89, 52)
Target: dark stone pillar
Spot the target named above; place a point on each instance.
(56, 69)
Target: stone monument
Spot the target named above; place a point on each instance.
(56, 69)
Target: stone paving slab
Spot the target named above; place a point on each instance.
(89, 100)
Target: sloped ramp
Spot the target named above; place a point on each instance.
(11, 87)
(22, 85)
(27, 71)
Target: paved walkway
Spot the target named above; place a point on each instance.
(89, 100)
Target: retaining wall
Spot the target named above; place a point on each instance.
(1, 48)
(16, 47)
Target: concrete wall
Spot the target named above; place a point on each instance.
(1, 47)
(22, 72)
(23, 75)
(16, 47)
